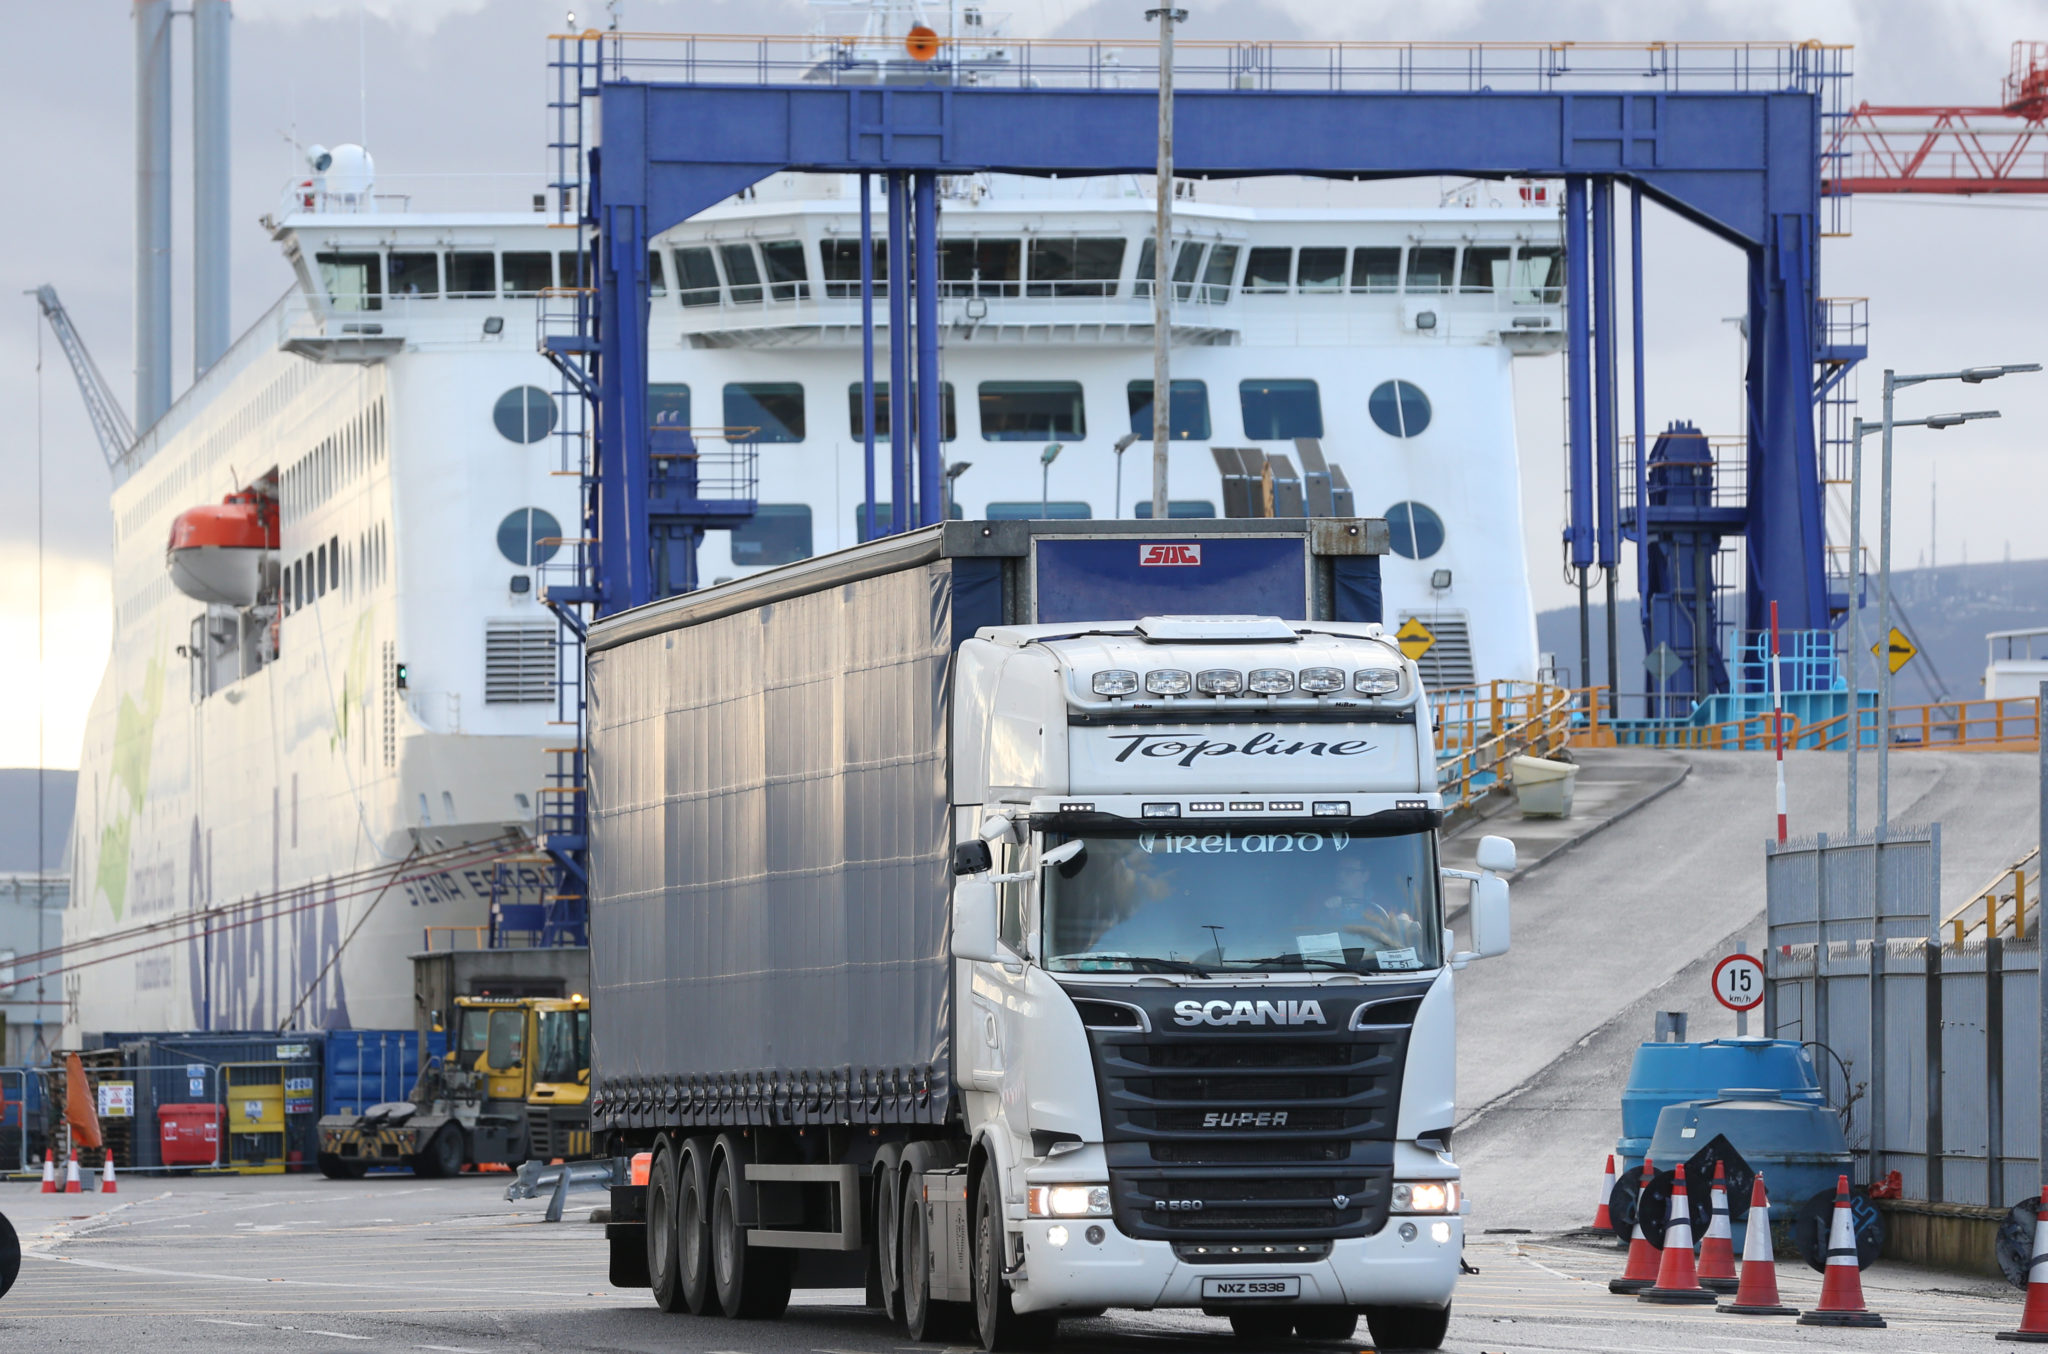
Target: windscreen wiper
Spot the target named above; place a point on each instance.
(1297, 961)
(1159, 965)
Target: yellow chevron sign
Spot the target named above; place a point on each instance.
(1901, 650)
(1416, 638)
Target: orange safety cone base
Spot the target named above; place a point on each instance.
(2025, 1337)
(1817, 1318)
(1749, 1309)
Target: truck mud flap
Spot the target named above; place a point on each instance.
(628, 1244)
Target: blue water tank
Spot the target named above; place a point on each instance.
(1796, 1145)
(1669, 1074)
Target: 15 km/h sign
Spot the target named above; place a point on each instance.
(1739, 982)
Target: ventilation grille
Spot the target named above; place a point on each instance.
(390, 705)
(519, 662)
(1448, 663)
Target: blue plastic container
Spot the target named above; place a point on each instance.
(1796, 1144)
(1670, 1074)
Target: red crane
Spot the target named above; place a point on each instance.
(1900, 149)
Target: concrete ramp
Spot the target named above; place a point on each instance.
(1630, 921)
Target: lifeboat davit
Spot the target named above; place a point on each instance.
(217, 552)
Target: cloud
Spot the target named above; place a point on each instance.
(78, 626)
(420, 16)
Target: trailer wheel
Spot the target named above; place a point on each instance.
(693, 1234)
(661, 1230)
(341, 1168)
(998, 1324)
(888, 1242)
(442, 1156)
(1409, 1327)
(752, 1282)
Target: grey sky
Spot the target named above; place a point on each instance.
(458, 88)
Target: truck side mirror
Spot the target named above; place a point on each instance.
(972, 858)
(1489, 914)
(1497, 855)
(974, 919)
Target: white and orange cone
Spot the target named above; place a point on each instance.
(107, 1172)
(1603, 1221)
(1641, 1270)
(1717, 1247)
(1841, 1284)
(1758, 1293)
(1676, 1281)
(2034, 1319)
(71, 1183)
(49, 1174)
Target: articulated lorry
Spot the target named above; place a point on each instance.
(1026, 919)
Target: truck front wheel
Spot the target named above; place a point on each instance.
(336, 1167)
(923, 1316)
(1409, 1327)
(661, 1230)
(441, 1156)
(752, 1281)
(998, 1324)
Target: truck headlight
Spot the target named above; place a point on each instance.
(1425, 1196)
(1116, 682)
(1272, 681)
(1068, 1201)
(1169, 682)
(1322, 681)
(1219, 682)
(1376, 681)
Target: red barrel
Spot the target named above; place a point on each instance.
(190, 1134)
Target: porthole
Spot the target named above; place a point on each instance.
(1399, 408)
(525, 414)
(1416, 530)
(529, 536)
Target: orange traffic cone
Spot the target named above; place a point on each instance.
(1641, 1271)
(1676, 1281)
(107, 1173)
(1717, 1247)
(1602, 1221)
(1758, 1294)
(49, 1174)
(71, 1184)
(1841, 1284)
(2034, 1319)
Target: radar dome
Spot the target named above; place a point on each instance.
(350, 175)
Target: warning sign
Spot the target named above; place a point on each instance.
(1416, 638)
(1901, 649)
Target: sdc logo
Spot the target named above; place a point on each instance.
(1151, 555)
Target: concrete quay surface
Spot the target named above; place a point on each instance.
(298, 1263)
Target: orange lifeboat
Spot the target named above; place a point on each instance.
(217, 552)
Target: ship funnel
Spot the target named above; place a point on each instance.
(210, 336)
(152, 210)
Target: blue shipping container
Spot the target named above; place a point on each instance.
(368, 1067)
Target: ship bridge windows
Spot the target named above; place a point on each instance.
(1175, 508)
(414, 274)
(1187, 411)
(764, 411)
(1319, 268)
(569, 267)
(742, 274)
(1430, 269)
(524, 414)
(1414, 530)
(841, 262)
(527, 273)
(970, 267)
(657, 275)
(353, 282)
(778, 533)
(529, 536)
(1538, 276)
(1484, 270)
(789, 276)
(948, 428)
(1376, 269)
(1187, 267)
(1031, 411)
(1399, 408)
(472, 273)
(1079, 266)
(1033, 510)
(1279, 410)
(696, 277)
(1217, 274)
(1268, 268)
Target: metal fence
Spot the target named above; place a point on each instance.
(1856, 961)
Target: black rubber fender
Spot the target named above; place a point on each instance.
(10, 1255)
(1816, 1216)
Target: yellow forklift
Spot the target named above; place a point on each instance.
(515, 1085)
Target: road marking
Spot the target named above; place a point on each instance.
(222, 1321)
(450, 1349)
(338, 1335)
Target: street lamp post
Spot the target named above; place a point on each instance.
(953, 472)
(1162, 262)
(1045, 460)
(1893, 382)
(1123, 444)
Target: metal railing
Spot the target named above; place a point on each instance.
(2000, 907)
(1481, 729)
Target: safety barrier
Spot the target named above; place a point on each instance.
(1480, 729)
(2007, 725)
(2000, 907)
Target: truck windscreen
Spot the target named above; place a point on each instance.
(564, 1045)
(1243, 901)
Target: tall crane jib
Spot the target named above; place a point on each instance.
(109, 421)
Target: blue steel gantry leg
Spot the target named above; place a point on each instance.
(1606, 410)
(1579, 401)
(930, 474)
(1642, 501)
(899, 356)
(625, 558)
(867, 352)
(1787, 553)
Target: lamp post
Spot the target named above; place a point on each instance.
(953, 472)
(1045, 460)
(1893, 382)
(1162, 261)
(1123, 444)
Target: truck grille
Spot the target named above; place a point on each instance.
(1253, 1135)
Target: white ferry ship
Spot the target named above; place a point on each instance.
(371, 692)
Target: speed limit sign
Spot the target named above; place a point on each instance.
(1739, 982)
